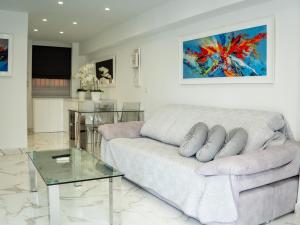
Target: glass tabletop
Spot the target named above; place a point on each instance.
(106, 111)
(70, 166)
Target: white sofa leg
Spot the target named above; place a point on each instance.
(297, 208)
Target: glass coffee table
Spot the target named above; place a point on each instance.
(73, 166)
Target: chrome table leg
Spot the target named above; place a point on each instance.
(53, 196)
(115, 202)
(32, 176)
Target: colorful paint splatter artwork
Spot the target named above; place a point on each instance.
(240, 53)
(4, 55)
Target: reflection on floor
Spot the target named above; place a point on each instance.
(46, 141)
(87, 204)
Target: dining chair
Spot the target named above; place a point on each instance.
(85, 116)
(104, 114)
(130, 112)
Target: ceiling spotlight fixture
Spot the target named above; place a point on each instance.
(75, 23)
(45, 20)
(60, 2)
(61, 32)
(107, 9)
(35, 30)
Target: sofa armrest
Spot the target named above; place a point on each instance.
(121, 130)
(256, 162)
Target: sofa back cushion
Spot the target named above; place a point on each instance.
(171, 123)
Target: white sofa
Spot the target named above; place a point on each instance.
(255, 187)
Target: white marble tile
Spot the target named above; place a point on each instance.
(86, 204)
(48, 141)
(20, 209)
(14, 151)
(13, 174)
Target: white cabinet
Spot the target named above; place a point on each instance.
(52, 114)
(48, 115)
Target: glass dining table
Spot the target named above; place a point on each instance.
(88, 121)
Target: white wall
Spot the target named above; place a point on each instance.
(29, 86)
(160, 59)
(77, 61)
(13, 111)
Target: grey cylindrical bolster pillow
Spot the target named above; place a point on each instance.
(193, 140)
(215, 140)
(235, 142)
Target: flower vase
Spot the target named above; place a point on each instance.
(96, 96)
(81, 95)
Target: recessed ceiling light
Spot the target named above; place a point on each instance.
(75, 23)
(45, 20)
(107, 9)
(60, 2)
(61, 32)
(35, 30)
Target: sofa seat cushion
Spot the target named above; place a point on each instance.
(171, 123)
(160, 169)
(154, 164)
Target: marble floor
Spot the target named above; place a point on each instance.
(84, 205)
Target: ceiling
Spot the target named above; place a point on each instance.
(91, 16)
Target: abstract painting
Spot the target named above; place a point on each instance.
(229, 56)
(105, 71)
(5, 55)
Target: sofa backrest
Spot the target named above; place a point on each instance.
(171, 123)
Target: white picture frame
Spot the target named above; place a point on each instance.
(8, 72)
(269, 78)
(112, 58)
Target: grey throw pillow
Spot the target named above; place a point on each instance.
(235, 142)
(214, 142)
(193, 140)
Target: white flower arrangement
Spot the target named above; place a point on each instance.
(88, 79)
